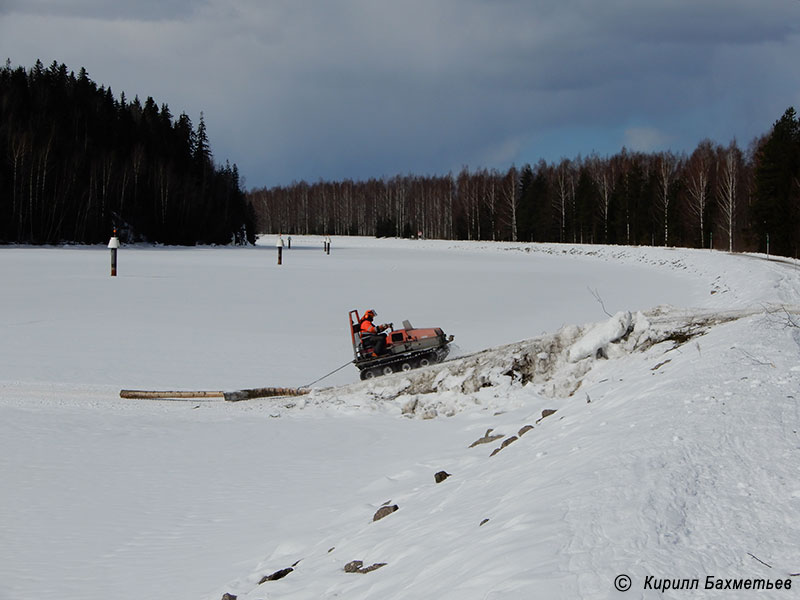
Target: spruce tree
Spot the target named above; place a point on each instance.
(776, 207)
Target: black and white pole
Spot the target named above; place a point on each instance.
(113, 245)
(327, 244)
(279, 246)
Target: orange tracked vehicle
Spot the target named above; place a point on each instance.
(407, 348)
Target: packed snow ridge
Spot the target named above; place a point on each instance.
(555, 364)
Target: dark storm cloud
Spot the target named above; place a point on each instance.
(99, 9)
(359, 88)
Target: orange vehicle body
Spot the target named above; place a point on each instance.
(406, 349)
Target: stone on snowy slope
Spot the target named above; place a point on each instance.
(357, 566)
(505, 443)
(441, 476)
(384, 511)
(546, 413)
(276, 575)
(486, 439)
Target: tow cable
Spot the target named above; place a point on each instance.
(349, 362)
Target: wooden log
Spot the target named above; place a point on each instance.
(267, 392)
(156, 394)
(234, 396)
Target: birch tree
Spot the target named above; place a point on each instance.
(565, 184)
(511, 201)
(666, 171)
(603, 174)
(698, 183)
(727, 189)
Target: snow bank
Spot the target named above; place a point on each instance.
(552, 365)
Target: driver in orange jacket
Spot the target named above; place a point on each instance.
(371, 335)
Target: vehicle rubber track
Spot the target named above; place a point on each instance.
(404, 362)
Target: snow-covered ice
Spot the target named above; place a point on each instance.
(673, 452)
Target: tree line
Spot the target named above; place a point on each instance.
(720, 196)
(75, 163)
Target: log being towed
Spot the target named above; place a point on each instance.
(234, 396)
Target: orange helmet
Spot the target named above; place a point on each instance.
(370, 314)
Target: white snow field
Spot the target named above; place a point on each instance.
(672, 460)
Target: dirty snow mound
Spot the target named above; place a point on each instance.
(554, 364)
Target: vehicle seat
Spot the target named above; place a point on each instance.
(359, 340)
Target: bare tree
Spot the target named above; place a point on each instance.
(489, 185)
(511, 201)
(603, 174)
(667, 168)
(466, 184)
(698, 177)
(728, 168)
(565, 186)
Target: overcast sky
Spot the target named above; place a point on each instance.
(309, 90)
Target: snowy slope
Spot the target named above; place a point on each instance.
(672, 454)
